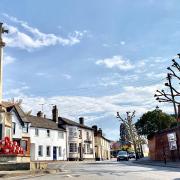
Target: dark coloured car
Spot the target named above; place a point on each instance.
(132, 155)
(122, 155)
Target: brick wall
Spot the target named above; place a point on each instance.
(159, 146)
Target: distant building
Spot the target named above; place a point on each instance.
(80, 139)
(102, 145)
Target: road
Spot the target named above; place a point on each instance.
(109, 170)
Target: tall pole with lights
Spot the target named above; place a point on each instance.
(2, 44)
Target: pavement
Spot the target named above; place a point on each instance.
(147, 161)
(10, 174)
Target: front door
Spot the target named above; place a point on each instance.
(0, 131)
(80, 151)
(54, 153)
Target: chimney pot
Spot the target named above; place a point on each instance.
(81, 120)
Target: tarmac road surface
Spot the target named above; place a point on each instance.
(108, 170)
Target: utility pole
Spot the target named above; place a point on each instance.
(2, 44)
(172, 94)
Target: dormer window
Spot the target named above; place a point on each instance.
(25, 128)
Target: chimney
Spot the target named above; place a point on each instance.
(178, 118)
(55, 114)
(81, 120)
(39, 114)
(100, 132)
(95, 128)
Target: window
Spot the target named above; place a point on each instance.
(48, 151)
(88, 149)
(24, 145)
(87, 135)
(73, 132)
(40, 150)
(73, 147)
(48, 133)
(60, 151)
(25, 128)
(61, 134)
(36, 131)
(14, 127)
(80, 134)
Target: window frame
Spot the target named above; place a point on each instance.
(73, 148)
(36, 132)
(60, 134)
(14, 128)
(25, 128)
(40, 149)
(48, 154)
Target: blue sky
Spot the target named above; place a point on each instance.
(91, 58)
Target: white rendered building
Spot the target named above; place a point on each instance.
(80, 139)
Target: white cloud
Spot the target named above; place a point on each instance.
(116, 62)
(131, 98)
(122, 42)
(31, 38)
(8, 60)
(41, 74)
(67, 76)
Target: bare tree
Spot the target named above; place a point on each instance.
(173, 95)
(130, 127)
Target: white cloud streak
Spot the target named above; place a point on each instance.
(116, 62)
(31, 38)
(8, 60)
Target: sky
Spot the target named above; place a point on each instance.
(90, 58)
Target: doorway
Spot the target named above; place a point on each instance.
(54, 153)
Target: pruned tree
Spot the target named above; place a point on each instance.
(171, 96)
(130, 127)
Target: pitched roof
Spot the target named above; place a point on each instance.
(41, 122)
(20, 113)
(73, 123)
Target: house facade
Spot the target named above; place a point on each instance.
(102, 145)
(48, 140)
(80, 139)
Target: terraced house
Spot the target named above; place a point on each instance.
(102, 145)
(80, 139)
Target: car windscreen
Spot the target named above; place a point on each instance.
(122, 153)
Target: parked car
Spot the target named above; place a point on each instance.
(132, 155)
(122, 155)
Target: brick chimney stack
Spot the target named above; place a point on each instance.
(81, 120)
(39, 114)
(55, 114)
